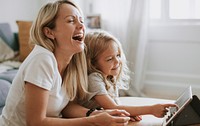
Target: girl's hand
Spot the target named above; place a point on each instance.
(136, 118)
(160, 110)
(110, 118)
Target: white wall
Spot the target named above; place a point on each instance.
(114, 15)
(173, 60)
(12, 10)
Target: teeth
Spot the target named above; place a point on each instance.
(78, 35)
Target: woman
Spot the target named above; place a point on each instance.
(54, 75)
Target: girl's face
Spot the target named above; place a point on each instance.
(109, 62)
(70, 30)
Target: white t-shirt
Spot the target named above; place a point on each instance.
(97, 86)
(39, 68)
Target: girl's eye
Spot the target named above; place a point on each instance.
(109, 59)
(118, 55)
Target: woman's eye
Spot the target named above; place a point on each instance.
(81, 20)
(71, 20)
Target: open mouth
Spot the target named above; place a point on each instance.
(78, 37)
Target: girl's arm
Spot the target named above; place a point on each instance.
(158, 110)
(73, 110)
(36, 101)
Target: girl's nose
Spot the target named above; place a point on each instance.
(116, 60)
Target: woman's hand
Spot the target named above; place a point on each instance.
(110, 118)
(160, 110)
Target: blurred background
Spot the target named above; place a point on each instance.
(161, 38)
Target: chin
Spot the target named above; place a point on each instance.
(80, 50)
(114, 73)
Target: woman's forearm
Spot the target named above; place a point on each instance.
(50, 121)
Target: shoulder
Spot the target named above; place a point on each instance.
(96, 83)
(95, 76)
(39, 60)
(95, 79)
(41, 56)
(41, 52)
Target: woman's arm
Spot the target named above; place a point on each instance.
(36, 101)
(158, 110)
(36, 104)
(73, 110)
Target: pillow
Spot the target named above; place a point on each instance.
(6, 52)
(8, 36)
(23, 35)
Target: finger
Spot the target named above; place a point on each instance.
(121, 119)
(165, 111)
(170, 105)
(119, 113)
(138, 118)
(124, 112)
(135, 118)
(132, 119)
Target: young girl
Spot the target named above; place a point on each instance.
(108, 72)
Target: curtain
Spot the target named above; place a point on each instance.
(135, 45)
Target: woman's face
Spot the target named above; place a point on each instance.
(70, 30)
(109, 62)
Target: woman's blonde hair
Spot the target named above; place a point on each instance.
(75, 75)
(96, 43)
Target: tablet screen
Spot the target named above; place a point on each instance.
(182, 101)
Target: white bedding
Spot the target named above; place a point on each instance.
(9, 65)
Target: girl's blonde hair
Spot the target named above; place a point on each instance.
(75, 75)
(96, 43)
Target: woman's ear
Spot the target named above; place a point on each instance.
(48, 33)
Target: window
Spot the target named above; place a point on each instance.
(175, 9)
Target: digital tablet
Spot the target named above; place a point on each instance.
(183, 100)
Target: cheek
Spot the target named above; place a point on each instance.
(102, 66)
(105, 68)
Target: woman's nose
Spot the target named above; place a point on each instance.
(80, 24)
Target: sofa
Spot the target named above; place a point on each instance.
(13, 50)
